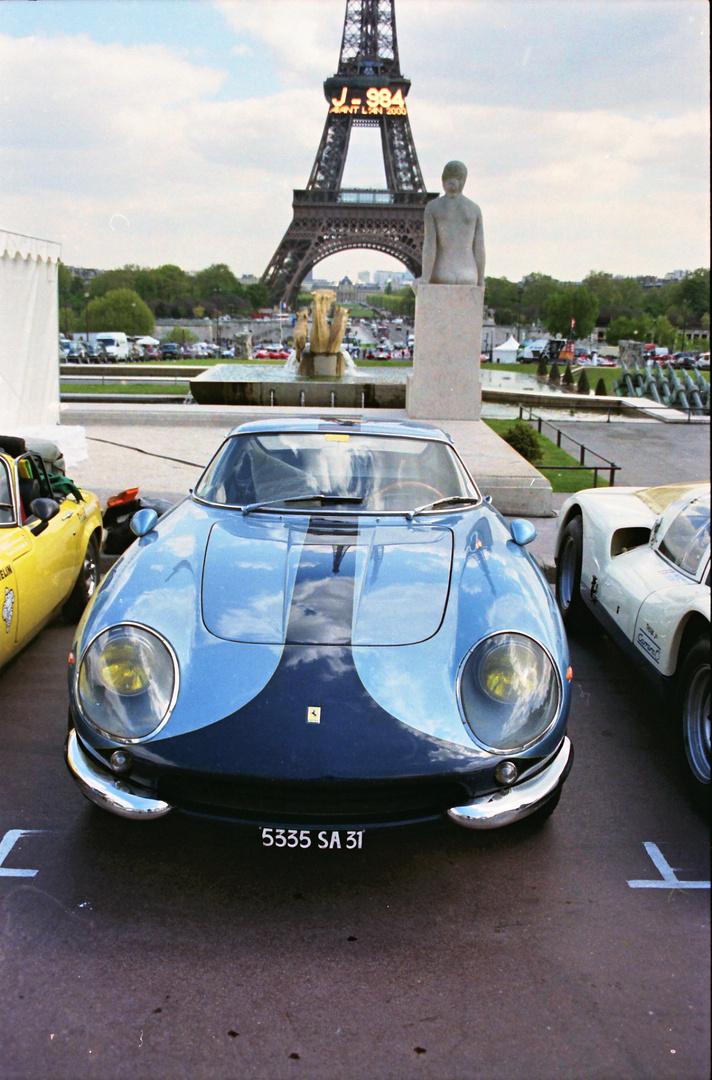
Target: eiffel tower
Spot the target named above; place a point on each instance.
(367, 90)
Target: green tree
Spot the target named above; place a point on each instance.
(572, 303)
(147, 284)
(616, 295)
(216, 282)
(258, 296)
(659, 298)
(181, 335)
(71, 298)
(626, 328)
(694, 291)
(500, 292)
(120, 309)
(172, 282)
(663, 332)
(110, 280)
(537, 288)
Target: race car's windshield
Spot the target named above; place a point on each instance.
(687, 539)
(375, 473)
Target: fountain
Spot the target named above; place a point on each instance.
(321, 374)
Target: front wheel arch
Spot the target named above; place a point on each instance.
(87, 580)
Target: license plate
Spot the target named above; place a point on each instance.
(313, 839)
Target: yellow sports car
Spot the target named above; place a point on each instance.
(50, 539)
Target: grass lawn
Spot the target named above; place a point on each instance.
(179, 389)
(561, 479)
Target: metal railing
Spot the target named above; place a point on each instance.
(607, 466)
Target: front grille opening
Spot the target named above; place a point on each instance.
(313, 803)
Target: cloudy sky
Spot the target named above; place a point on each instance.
(156, 131)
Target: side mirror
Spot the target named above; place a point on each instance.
(143, 521)
(522, 531)
(44, 509)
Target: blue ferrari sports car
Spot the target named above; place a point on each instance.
(335, 631)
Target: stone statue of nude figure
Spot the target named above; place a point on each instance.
(454, 245)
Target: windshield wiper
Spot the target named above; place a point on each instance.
(269, 504)
(452, 500)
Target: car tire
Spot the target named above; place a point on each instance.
(693, 720)
(86, 583)
(568, 577)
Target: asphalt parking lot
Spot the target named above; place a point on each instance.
(178, 949)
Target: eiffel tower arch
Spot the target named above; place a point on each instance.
(368, 90)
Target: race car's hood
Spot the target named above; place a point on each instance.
(316, 582)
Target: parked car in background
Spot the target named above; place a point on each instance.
(638, 561)
(76, 353)
(115, 344)
(50, 537)
(95, 352)
(170, 350)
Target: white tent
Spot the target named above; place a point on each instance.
(29, 330)
(507, 352)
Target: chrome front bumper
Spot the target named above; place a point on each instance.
(488, 812)
(107, 791)
(513, 804)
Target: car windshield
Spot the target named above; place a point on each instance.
(369, 472)
(687, 538)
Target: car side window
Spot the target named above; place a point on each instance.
(7, 513)
(688, 537)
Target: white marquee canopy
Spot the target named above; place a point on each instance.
(29, 329)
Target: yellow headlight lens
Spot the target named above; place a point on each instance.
(509, 672)
(122, 670)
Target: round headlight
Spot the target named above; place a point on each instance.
(127, 682)
(509, 692)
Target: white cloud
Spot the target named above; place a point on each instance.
(584, 149)
(303, 38)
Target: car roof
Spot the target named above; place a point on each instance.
(343, 424)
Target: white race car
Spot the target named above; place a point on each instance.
(638, 560)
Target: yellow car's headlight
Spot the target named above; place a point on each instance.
(509, 692)
(127, 682)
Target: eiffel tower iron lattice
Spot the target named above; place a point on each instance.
(367, 90)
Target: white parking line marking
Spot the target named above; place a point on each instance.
(6, 845)
(669, 878)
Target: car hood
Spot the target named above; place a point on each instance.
(315, 582)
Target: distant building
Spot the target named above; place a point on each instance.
(677, 275)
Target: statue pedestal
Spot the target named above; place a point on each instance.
(445, 384)
(314, 365)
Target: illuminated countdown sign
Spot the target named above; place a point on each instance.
(375, 102)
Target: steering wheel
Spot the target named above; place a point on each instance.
(405, 485)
